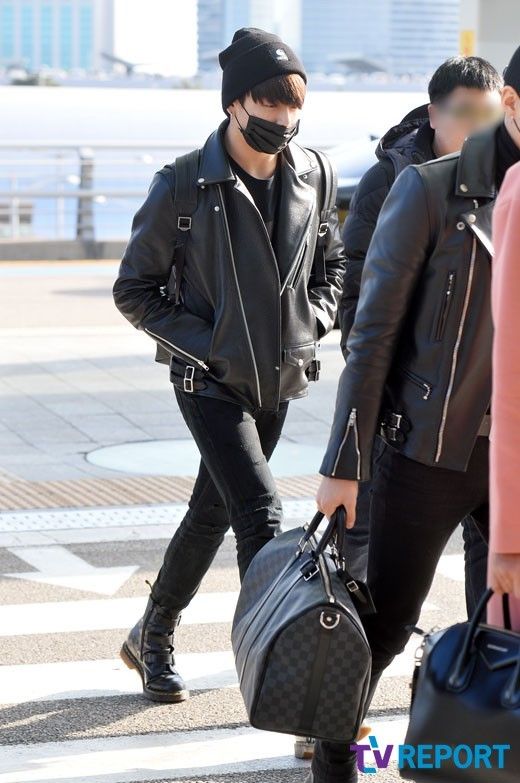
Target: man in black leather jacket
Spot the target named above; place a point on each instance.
(419, 372)
(470, 87)
(260, 285)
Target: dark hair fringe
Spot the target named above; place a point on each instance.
(459, 71)
(288, 89)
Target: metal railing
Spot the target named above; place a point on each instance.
(84, 190)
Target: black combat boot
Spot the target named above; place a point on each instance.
(149, 649)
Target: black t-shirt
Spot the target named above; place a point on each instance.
(265, 193)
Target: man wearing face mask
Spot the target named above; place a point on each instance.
(260, 285)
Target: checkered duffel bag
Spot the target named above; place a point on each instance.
(301, 653)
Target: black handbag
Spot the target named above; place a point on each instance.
(301, 653)
(467, 694)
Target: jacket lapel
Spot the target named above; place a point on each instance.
(479, 220)
(476, 166)
(295, 209)
(296, 199)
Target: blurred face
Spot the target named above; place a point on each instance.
(463, 112)
(511, 108)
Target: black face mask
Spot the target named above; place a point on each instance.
(265, 136)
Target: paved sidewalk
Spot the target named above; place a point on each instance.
(76, 376)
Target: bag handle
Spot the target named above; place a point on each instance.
(459, 678)
(310, 529)
(335, 528)
(336, 525)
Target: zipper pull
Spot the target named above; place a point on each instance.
(415, 629)
(428, 391)
(351, 424)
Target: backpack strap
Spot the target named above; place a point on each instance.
(328, 187)
(184, 204)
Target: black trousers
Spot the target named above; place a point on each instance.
(234, 487)
(414, 510)
(475, 545)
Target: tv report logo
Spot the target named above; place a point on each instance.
(431, 756)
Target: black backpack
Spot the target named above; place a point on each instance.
(185, 203)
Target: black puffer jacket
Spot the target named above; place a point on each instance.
(249, 322)
(408, 142)
(420, 348)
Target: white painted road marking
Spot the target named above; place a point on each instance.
(110, 677)
(109, 613)
(105, 614)
(168, 755)
(57, 566)
(452, 566)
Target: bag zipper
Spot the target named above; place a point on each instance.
(351, 424)
(250, 343)
(443, 317)
(440, 437)
(176, 348)
(325, 576)
(425, 387)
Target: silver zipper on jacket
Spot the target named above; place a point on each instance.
(426, 387)
(295, 267)
(176, 348)
(456, 351)
(351, 424)
(228, 235)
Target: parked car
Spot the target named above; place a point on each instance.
(352, 160)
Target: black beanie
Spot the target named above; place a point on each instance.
(512, 72)
(252, 57)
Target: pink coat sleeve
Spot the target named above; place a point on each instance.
(505, 406)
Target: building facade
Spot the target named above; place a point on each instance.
(398, 36)
(58, 34)
(217, 20)
(401, 36)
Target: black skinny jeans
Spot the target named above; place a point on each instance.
(234, 487)
(414, 510)
(475, 545)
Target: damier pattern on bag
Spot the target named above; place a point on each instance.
(297, 675)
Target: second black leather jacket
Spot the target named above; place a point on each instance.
(249, 321)
(420, 347)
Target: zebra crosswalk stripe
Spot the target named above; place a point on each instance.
(110, 677)
(168, 755)
(105, 614)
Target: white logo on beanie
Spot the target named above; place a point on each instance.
(281, 55)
